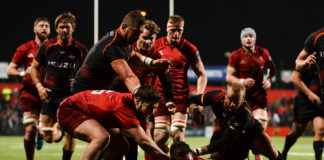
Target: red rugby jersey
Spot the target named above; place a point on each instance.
(24, 55)
(251, 66)
(112, 109)
(181, 57)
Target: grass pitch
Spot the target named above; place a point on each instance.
(12, 148)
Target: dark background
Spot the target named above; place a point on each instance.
(214, 26)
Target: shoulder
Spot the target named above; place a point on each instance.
(186, 45)
(50, 42)
(79, 44)
(26, 46)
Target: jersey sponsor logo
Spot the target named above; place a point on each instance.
(62, 52)
(321, 54)
(72, 57)
(64, 65)
(31, 55)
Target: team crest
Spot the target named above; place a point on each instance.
(30, 55)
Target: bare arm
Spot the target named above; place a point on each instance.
(125, 73)
(199, 70)
(304, 59)
(231, 78)
(270, 72)
(13, 71)
(297, 81)
(146, 143)
(42, 91)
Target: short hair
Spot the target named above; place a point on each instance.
(41, 19)
(179, 149)
(236, 87)
(147, 93)
(152, 27)
(176, 20)
(134, 17)
(65, 18)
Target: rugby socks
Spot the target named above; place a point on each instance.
(67, 154)
(318, 149)
(29, 149)
(288, 143)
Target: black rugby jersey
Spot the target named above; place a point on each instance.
(310, 78)
(315, 43)
(96, 71)
(61, 63)
(240, 121)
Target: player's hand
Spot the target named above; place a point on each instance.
(198, 116)
(266, 84)
(314, 98)
(311, 59)
(171, 107)
(27, 71)
(249, 82)
(43, 94)
(161, 63)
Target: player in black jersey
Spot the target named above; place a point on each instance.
(241, 131)
(61, 57)
(309, 79)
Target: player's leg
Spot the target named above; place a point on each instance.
(161, 134)
(297, 130)
(30, 122)
(260, 113)
(318, 142)
(49, 130)
(95, 134)
(118, 145)
(262, 144)
(179, 122)
(68, 147)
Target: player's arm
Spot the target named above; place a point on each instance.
(146, 143)
(227, 139)
(299, 83)
(121, 67)
(167, 86)
(149, 62)
(199, 70)
(13, 71)
(35, 76)
(304, 59)
(271, 71)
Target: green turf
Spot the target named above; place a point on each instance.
(12, 148)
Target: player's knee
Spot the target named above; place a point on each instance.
(30, 120)
(178, 125)
(48, 132)
(102, 141)
(161, 125)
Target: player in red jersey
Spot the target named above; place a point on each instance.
(104, 118)
(29, 99)
(181, 54)
(181, 151)
(148, 74)
(61, 57)
(246, 66)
